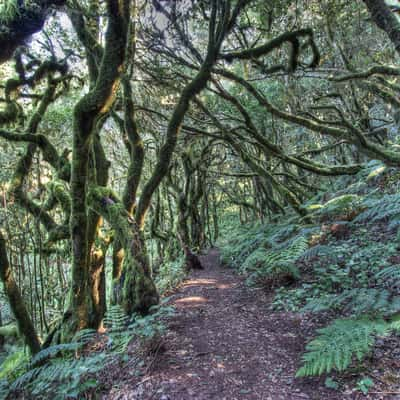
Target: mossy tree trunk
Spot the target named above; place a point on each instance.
(88, 33)
(98, 166)
(92, 107)
(17, 304)
(186, 201)
(137, 291)
(197, 218)
(191, 259)
(134, 146)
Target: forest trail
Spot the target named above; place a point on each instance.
(224, 343)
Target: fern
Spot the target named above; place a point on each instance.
(242, 243)
(141, 327)
(62, 378)
(395, 323)
(266, 263)
(255, 260)
(61, 371)
(53, 351)
(357, 301)
(378, 209)
(13, 364)
(282, 232)
(315, 251)
(4, 389)
(115, 318)
(389, 275)
(339, 343)
(170, 274)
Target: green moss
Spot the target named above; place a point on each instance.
(139, 292)
(343, 201)
(339, 205)
(9, 331)
(12, 364)
(57, 188)
(314, 207)
(376, 172)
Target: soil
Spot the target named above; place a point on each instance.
(225, 343)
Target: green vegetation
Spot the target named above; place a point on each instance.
(137, 135)
(349, 272)
(67, 370)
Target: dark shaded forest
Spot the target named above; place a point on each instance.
(199, 199)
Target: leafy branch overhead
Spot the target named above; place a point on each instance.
(142, 139)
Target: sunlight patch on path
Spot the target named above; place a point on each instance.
(199, 282)
(192, 301)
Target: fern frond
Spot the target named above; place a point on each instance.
(53, 351)
(389, 274)
(22, 381)
(395, 323)
(4, 389)
(116, 318)
(8, 10)
(338, 344)
(357, 301)
(314, 251)
(381, 208)
(13, 363)
(59, 377)
(84, 336)
(282, 232)
(268, 259)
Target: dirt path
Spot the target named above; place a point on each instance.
(224, 343)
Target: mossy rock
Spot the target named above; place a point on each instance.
(376, 173)
(314, 207)
(343, 207)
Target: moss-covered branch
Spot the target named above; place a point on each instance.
(375, 70)
(137, 292)
(274, 150)
(136, 149)
(287, 194)
(25, 163)
(350, 133)
(216, 33)
(93, 50)
(17, 304)
(49, 152)
(287, 37)
(93, 106)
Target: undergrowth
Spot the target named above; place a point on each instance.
(68, 371)
(344, 265)
(170, 274)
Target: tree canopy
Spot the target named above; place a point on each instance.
(133, 132)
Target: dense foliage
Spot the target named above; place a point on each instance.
(136, 134)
